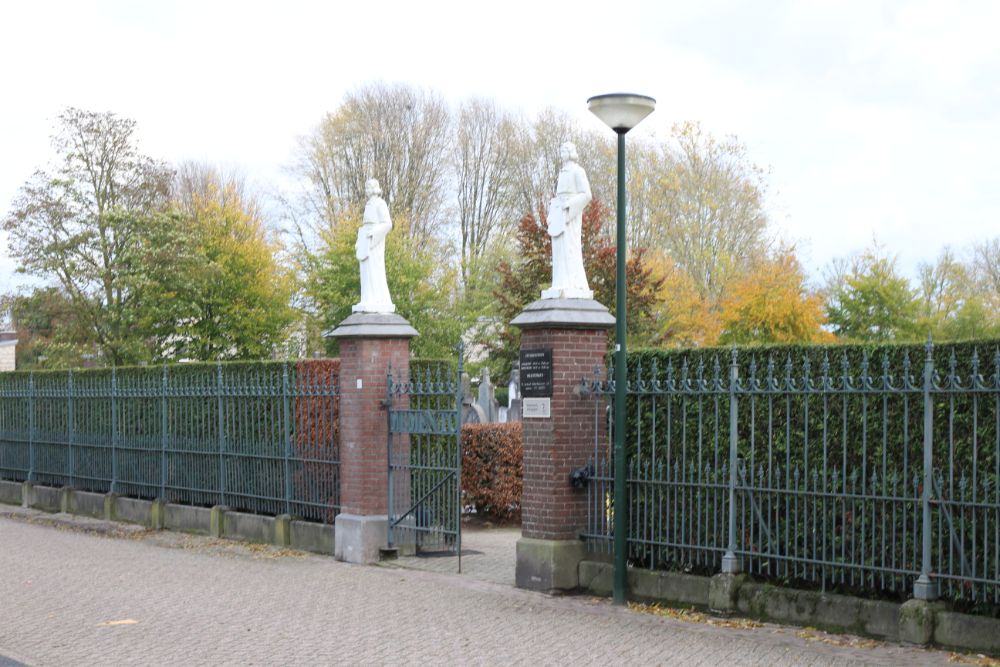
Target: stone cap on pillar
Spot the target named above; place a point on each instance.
(564, 314)
(373, 325)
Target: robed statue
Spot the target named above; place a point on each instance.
(370, 251)
(565, 226)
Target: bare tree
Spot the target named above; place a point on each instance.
(486, 154)
(193, 180)
(538, 167)
(711, 199)
(986, 267)
(942, 287)
(395, 133)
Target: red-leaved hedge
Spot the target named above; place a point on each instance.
(492, 468)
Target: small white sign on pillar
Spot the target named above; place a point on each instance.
(536, 408)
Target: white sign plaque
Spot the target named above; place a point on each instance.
(536, 408)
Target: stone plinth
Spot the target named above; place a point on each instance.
(370, 343)
(553, 512)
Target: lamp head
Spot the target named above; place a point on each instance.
(621, 111)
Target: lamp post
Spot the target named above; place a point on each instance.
(621, 112)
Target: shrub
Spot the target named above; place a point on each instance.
(492, 468)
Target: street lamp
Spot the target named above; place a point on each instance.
(621, 112)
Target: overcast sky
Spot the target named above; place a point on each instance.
(875, 118)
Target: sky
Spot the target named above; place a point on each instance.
(877, 120)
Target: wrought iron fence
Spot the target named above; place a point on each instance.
(425, 456)
(845, 474)
(260, 437)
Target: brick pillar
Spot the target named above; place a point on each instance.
(553, 512)
(369, 344)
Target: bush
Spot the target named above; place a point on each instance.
(492, 468)
(848, 427)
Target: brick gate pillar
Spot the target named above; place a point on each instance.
(369, 344)
(573, 334)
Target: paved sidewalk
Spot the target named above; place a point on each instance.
(487, 555)
(142, 598)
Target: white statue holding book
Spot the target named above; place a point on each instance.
(565, 223)
(370, 251)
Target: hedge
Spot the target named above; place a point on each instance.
(853, 423)
(492, 468)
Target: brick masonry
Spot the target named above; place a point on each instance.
(553, 448)
(364, 420)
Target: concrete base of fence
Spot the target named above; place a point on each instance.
(316, 537)
(836, 613)
(360, 537)
(915, 621)
(46, 498)
(723, 592)
(156, 514)
(10, 493)
(248, 527)
(551, 566)
(187, 519)
(132, 510)
(283, 530)
(85, 503)
(975, 633)
(217, 521)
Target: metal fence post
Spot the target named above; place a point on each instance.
(458, 447)
(71, 424)
(31, 426)
(730, 563)
(288, 437)
(926, 588)
(163, 434)
(220, 407)
(388, 457)
(114, 429)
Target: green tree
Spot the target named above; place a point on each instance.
(869, 301)
(423, 289)
(48, 334)
(225, 295)
(90, 222)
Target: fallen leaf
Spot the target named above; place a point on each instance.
(124, 621)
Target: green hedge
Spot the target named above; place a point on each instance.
(854, 435)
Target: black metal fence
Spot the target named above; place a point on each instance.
(260, 437)
(847, 473)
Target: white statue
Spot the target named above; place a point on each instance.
(569, 280)
(370, 251)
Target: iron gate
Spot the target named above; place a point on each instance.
(425, 459)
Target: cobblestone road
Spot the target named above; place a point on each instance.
(138, 598)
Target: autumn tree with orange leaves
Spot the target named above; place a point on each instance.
(771, 303)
